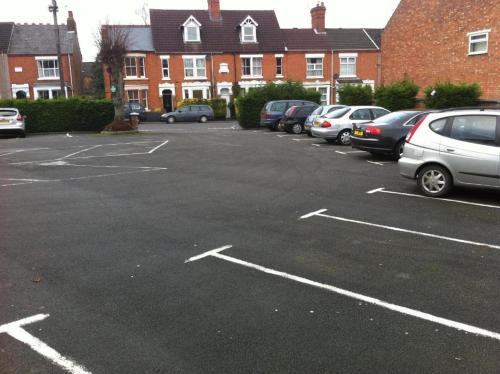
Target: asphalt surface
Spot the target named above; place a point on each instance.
(95, 231)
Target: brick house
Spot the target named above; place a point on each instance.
(442, 40)
(5, 36)
(204, 53)
(33, 67)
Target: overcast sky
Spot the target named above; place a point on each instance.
(291, 13)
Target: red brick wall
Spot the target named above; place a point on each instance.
(427, 40)
(29, 75)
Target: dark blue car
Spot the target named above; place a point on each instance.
(273, 111)
(135, 108)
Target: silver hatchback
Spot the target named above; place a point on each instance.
(11, 121)
(453, 147)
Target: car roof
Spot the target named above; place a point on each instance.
(463, 112)
(9, 109)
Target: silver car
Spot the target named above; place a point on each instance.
(190, 113)
(453, 147)
(11, 121)
(321, 111)
(337, 125)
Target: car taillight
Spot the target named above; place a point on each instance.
(326, 124)
(373, 130)
(20, 117)
(414, 129)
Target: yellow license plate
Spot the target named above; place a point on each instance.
(358, 132)
(4, 122)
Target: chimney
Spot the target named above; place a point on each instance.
(214, 10)
(318, 17)
(71, 22)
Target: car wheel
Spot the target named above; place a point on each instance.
(309, 134)
(297, 128)
(171, 119)
(344, 137)
(203, 119)
(434, 181)
(398, 150)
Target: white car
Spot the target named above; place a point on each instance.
(322, 111)
(11, 121)
(337, 125)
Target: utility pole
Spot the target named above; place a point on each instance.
(54, 9)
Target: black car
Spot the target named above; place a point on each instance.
(135, 108)
(273, 111)
(294, 118)
(385, 135)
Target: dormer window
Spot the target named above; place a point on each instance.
(249, 30)
(191, 30)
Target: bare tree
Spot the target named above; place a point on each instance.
(112, 44)
(143, 12)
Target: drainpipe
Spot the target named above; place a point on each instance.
(212, 77)
(331, 79)
(71, 75)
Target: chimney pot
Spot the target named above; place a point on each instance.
(71, 22)
(318, 17)
(214, 10)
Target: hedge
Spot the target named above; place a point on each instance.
(249, 106)
(351, 94)
(218, 105)
(397, 96)
(449, 95)
(73, 114)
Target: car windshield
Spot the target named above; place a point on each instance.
(338, 113)
(7, 113)
(318, 110)
(395, 117)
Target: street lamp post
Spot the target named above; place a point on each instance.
(54, 9)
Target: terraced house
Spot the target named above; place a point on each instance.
(205, 53)
(29, 67)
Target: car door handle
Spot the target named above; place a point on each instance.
(450, 150)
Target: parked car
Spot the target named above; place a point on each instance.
(294, 118)
(337, 125)
(273, 111)
(135, 108)
(453, 147)
(322, 111)
(12, 121)
(190, 113)
(387, 134)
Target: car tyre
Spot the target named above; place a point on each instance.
(171, 119)
(296, 128)
(397, 153)
(203, 119)
(434, 181)
(309, 134)
(344, 137)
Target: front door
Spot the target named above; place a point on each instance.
(226, 95)
(167, 100)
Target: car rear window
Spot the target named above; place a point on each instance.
(338, 113)
(318, 110)
(8, 113)
(278, 107)
(395, 117)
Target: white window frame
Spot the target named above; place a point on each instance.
(252, 59)
(138, 89)
(282, 57)
(315, 65)
(39, 63)
(195, 86)
(165, 58)
(195, 58)
(249, 22)
(37, 89)
(191, 22)
(486, 34)
(348, 56)
(137, 58)
(224, 68)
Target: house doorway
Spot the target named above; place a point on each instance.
(167, 100)
(225, 94)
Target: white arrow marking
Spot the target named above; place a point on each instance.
(16, 331)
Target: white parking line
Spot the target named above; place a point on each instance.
(22, 150)
(340, 153)
(16, 331)
(158, 147)
(353, 295)
(375, 163)
(383, 190)
(83, 150)
(392, 228)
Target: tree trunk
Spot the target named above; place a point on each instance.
(118, 102)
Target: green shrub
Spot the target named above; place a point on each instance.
(354, 94)
(449, 95)
(249, 106)
(218, 105)
(397, 96)
(73, 114)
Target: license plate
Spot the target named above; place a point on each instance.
(359, 132)
(3, 122)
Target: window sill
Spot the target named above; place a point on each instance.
(348, 76)
(195, 78)
(280, 76)
(315, 77)
(166, 79)
(477, 53)
(135, 78)
(252, 77)
(48, 79)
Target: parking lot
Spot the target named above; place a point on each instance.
(204, 248)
